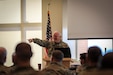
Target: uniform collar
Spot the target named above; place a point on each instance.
(57, 42)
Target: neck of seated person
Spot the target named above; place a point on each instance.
(56, 61)
(23, 64)
(92, 64)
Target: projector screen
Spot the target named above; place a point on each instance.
(90, 19)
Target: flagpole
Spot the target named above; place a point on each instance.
(48, 30)
(49, 3)
(48, 6)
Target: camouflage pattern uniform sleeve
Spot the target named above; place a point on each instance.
(42, 43)
(64, 45)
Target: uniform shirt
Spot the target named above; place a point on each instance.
(50, 45)
(81, 68)
(23, 71)
(100, 72)
(4, 70)
(105, 72)
(55, 68)
(89, 71)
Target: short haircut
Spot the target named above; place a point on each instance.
(83, 56)
(3, 54)
(57, 55)
(23, 51)
(94, 53)
(107, 61)
(57, 33)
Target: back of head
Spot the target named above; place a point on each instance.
(94, 54)
(83, 58)
(23, 51)
(107, 61)
(3, 53)
(14, 59)
(57, 55)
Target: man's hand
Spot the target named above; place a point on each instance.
(30, 40)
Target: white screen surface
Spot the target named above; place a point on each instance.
(90, 19)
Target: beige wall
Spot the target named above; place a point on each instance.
(55, 9)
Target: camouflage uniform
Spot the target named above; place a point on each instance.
(4, 70)
(23, 71)
(89, 71)
(50, 45)
(56, 68)
(81, 68)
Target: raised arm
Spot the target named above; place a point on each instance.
(40, 42)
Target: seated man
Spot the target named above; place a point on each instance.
(83, 61)
(106, 64)
(56, 67)
(107, 61)
(94, 55)
(23, 54)
(3, 69)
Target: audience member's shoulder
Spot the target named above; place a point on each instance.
(22, 71)
(32, 72)
(105, 72)
(86, 72)
(57, 71)
(107, 64)
(4, 70)
(49, 72)
(37, 73)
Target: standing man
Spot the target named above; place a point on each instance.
(52, 45)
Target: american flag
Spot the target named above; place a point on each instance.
(48, 31)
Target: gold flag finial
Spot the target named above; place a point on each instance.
(49, 4)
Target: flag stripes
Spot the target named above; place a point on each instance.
(48, 31)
